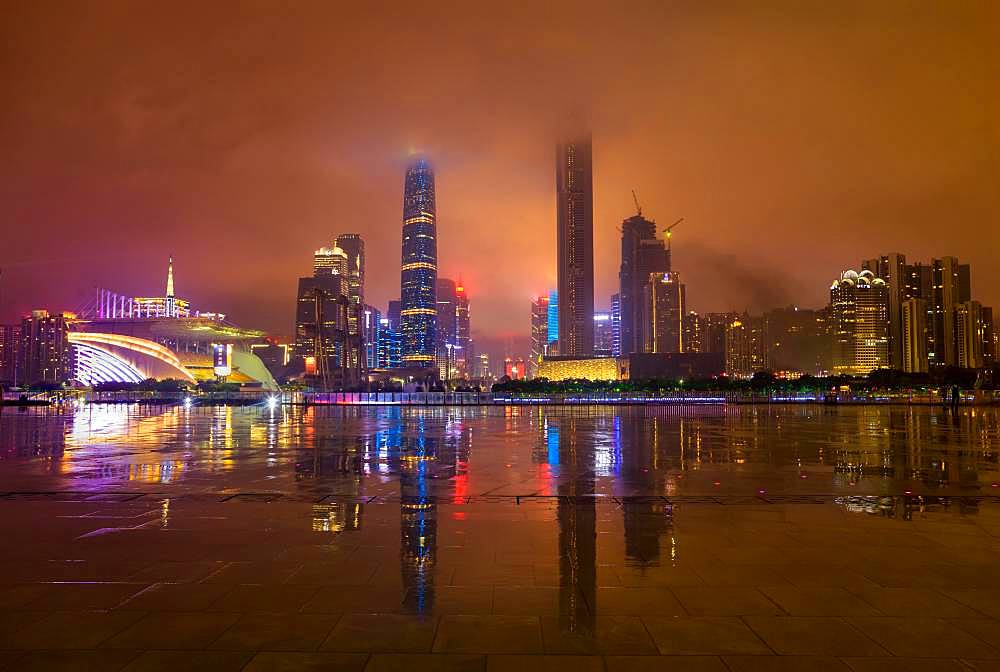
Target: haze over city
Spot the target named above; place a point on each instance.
(794, 140)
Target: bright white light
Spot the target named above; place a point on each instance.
(187, 402)
(272, 402)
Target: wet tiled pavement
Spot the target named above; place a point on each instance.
(345, 539)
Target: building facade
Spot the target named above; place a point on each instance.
(418, 275)
(859, 304)
(44, 353)
(642, 254)
(575, 242)
(603, 340)
(746, 346)
(663, 317)
(913, 335)
(539, 333)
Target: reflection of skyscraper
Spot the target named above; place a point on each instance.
(577, 517)
(575, 229)
(418, 307)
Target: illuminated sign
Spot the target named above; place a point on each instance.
(222, 359)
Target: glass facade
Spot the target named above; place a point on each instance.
(418, 302)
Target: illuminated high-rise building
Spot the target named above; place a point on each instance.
(892, 269)
(969, 334)
(331, 261)
(446, 332)
(575, 237)
(371, 318)
(642, 253)
(913, 335)
(418, 278)
(10, 338)
(746, 346)
(663, 316)
(602, 334)
(539, 333)
(859, 303)
(45, 354)
(553, 323)
(616, 325)
(353, 247)
(463, 332)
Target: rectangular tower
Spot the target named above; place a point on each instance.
(575, 233)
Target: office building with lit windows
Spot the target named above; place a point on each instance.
(859, 305)
(575, 243)
(418, 277)
(663, 317)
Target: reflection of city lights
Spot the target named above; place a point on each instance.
(187, 402)
(272, 402)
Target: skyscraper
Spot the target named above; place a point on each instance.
(913, 334)
(616, 325)
(603, 340)
(642, 253)
(859, 303)
(45, 354)
(330, 261)
(553, 323)
(969, 334)
(892, 269)
(354, 249)
(663, 317)
(539, 333)
(418, 277)
(445, 336)
(463, 332)
(746, 346)
(575, 228)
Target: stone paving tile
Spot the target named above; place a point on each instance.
(276, 632)
(986, 602)
(988, 630)
(663, 575)
(905, 665)
(488, 634)
(664, 664)
(516, 663)
(275, 599)
(174, 597)
(627, 601)
(461, 600)
(74, 629)
(383, 633)
(177, 571)
(813, 636)
(493, 574)
(532, 600)
(19, 596)
(431, 662)
(343, 599)
(704, 636)
(923, 638)
(173, 630)
(98, 660)
(189, 661)
(742, 575)
(338, 573)
(610, 635)
(730, 601)
(911, 602)
(288, 661)
(268, 572)
(12, 622)
(982, 665)
(73, 596)
(785, 664)
(818, 601)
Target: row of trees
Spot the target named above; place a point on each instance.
(764, 381)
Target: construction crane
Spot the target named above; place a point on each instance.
(669, 231)
(638, 208)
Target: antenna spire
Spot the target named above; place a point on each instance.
(170, 276)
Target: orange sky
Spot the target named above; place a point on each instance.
(795, 138)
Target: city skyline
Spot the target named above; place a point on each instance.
(241, 198)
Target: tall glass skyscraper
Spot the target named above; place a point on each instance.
(575, 227)
(418, 301)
